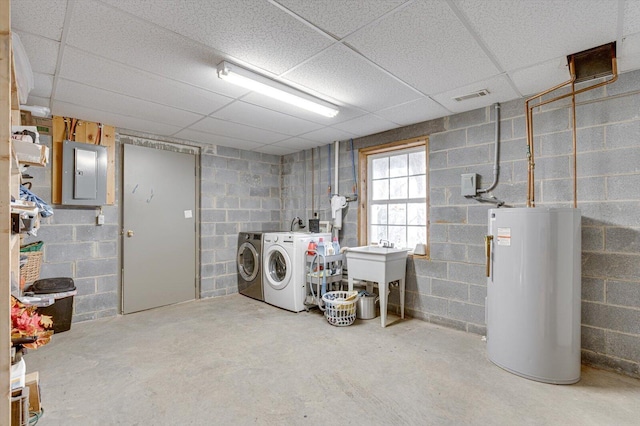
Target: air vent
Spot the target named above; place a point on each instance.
(478, 94)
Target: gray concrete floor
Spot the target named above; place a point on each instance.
(233, 360)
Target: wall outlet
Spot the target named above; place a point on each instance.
(468, 185)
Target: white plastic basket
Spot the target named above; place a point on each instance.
(340, 307)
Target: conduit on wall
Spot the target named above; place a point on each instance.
(586, 65)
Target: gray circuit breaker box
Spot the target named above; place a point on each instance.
(468, 184)
(84, 174)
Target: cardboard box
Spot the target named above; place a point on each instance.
(44, 125)
(32, 381)
(31, 153)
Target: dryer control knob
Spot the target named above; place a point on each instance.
(275, 239)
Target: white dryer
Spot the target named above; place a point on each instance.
(284, 268)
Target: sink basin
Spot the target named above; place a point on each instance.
(365, 260)
(376, 251)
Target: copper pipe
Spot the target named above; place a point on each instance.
(529, 124)
(529, 131)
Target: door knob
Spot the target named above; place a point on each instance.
(129, 233)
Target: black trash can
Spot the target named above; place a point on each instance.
(62, 290)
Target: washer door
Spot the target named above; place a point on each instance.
(248, 262)
(277, 267)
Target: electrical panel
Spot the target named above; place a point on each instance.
(84, 174)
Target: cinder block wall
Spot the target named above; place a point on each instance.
(449, 289)
(239, 191)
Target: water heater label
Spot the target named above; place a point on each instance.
(504, 236)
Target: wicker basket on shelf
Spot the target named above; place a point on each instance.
(30, 271)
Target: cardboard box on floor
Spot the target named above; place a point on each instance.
(32, 381)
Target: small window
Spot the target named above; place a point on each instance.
(396, 207)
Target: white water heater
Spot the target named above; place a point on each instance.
(533, 292)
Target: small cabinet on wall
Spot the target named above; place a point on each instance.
(82, 175)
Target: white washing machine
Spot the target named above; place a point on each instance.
(284, 268)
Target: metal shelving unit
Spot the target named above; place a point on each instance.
(322, 271)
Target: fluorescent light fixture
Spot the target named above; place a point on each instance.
(257, 83)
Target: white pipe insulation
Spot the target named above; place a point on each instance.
(338, 202)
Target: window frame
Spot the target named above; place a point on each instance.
(363, 178)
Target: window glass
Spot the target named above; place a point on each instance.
(380, 168)
(397, 196)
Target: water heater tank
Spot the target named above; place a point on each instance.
(533, 292)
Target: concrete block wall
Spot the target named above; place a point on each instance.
(449, 288)
(75, 247)
(305, 190)
(240, 191)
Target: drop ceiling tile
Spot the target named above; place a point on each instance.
(339, 17)
(366, 125)
(528, 32)
(256, 32)
(327, 135)
(79, 94)
(42, 85)
(537, 78)
(234, 130)
(96, 27)
(114, 119)
(631, 23)
(414, 112)
(244, 113)
(499, 91)
(344, 75)
(211, 139)
(426, 46)
(298, 144)
(346, 112)
(629, 53)
(275, 150)
(95, 71)
(43, 18)
(42, 52)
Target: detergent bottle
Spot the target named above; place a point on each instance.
(311, 248)
(321, 248)
(336, 245)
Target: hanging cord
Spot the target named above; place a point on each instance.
(353, 165)
(99, 135)
(74, 124)
(313, 181)
(66, 128)
(329, 167)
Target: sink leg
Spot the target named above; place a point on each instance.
(350, 280)
(402, 299)
(382, 287)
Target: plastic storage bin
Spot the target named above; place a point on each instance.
(62, 290)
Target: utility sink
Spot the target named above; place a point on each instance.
(381, 265)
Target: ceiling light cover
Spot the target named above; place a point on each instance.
(260, 84)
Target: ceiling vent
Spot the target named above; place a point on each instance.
(478, 94)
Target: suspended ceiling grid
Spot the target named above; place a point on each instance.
(149, 66)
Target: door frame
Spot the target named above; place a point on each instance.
(166, 146)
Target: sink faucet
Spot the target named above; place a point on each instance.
(386, 243)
